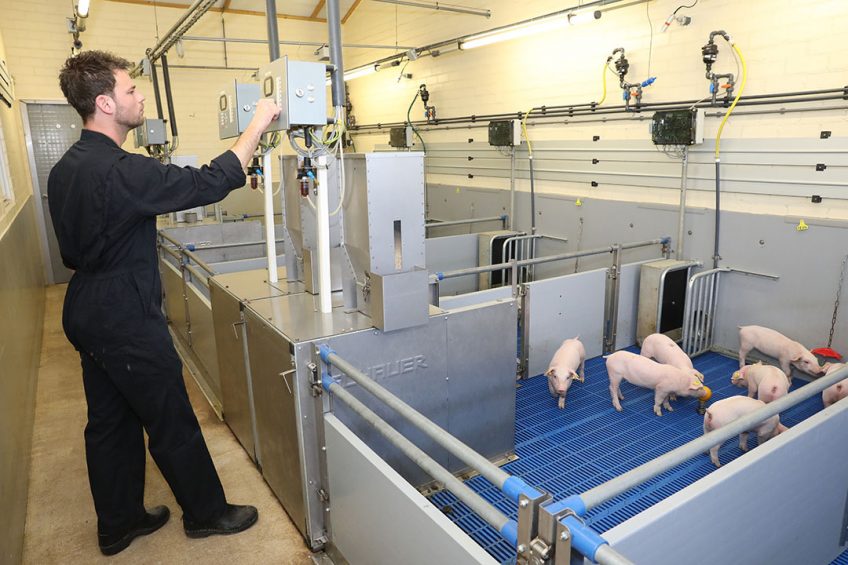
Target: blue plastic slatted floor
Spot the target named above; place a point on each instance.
(570, 451)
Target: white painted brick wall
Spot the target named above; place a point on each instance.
(789, 46)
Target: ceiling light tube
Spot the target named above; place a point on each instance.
(541, 25)
(358, 72)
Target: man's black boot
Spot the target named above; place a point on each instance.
(233, 520)
(110, 544)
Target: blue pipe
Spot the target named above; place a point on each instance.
(324, 351)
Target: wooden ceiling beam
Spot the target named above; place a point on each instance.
(350, 11)
(226, 5)
(318, 9)
(221, 10)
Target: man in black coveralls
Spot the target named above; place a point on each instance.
(104, 202)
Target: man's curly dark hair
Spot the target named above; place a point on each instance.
(88, 75)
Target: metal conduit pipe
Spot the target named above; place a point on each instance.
(296, 43)
(511, 486)
(547, 259)
(334, 28)
(492, 516)
(156, 96)
(576, 110)
(501, 218)
(612, 488)
(166, 77)
(273, 30)
(440, 7)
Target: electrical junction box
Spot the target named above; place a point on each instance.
(236, 106)
(151, 132)
(505, 133)
(678, 127)
(299, 88)
(401, 138)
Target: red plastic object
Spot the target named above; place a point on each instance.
(827, 353)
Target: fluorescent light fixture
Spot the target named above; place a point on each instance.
(541, 25)
(583, 16)
(82, 8)
(358, 72)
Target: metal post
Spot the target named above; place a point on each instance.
(335, 34)
(475, 502)
(612, 488)
(270, 236)
(681, 220)
(512, 188)
(322, 214)
(273, 30)
(613, 287)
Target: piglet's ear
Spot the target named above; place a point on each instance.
(796, 359)
(549, 373)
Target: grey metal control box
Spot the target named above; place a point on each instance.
(151, 132)
(236, 106)
(299, 88)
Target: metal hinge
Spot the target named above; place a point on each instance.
(323, 496)
(314, 380)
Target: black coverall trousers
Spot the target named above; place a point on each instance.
(133, 382)
(103, 204)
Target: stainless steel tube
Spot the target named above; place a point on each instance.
(475, 502)
(171, 252)
(606, 555)
(489, 470)
(681, 220)
(547, 259)
(230, 245)
(334, 25)
(600, 494)
(463, 222)
(198, 261)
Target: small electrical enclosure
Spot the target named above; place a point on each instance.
(678, 127)
(505, 133)
(236, 106)
(401, 138)
(299, 89)
(151, 132)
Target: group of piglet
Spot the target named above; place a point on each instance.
(664, 367)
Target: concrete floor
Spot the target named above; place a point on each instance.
(61, 526)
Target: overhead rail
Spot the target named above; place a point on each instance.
(441, 6)
(292, 42)
(592, 109)
(184, 23)
(585, 540)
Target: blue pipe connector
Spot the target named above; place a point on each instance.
(326, 381)
(648, 82)
(190, 246)
(324, 351)
(440, 276)
(504, 217)
(509, 531)
(665, 240)
(583, 538)
(514, 487)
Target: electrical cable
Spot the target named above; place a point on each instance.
(651, 46)
(682, 6)
(532, 173)
(735, 99)
(409, 121)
